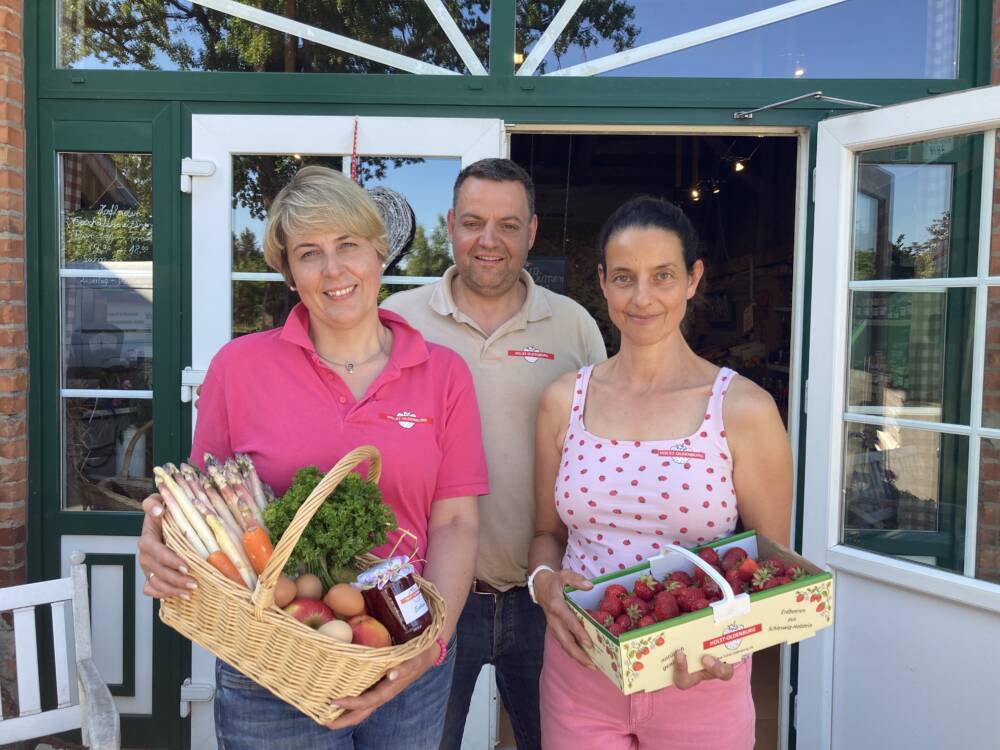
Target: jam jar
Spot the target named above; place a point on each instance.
(393, 597)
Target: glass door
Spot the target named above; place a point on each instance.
(243, 161)
(902, 498)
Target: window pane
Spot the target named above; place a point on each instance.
(426, 184)
(904, 493)
(916, 210)
(181, 35)
(991, 374)
(988, 539)
(108, 332)
(108, 450)
(260, 305)
(910, 354)
(107, 209)
(853, 39)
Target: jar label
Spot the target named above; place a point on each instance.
(411, 604)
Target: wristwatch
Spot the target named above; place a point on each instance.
(531, 580)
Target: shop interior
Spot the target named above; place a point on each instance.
(740, 194)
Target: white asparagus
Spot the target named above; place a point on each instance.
(232, 498)
(236, 482)
(184, 501)
(251, 479)
(216, 502)
(197, 486)
(230, 547)
(173, 508)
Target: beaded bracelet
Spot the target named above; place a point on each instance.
(444, 652)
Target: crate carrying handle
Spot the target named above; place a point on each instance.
(731, 606)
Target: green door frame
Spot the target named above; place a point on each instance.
(160, 104)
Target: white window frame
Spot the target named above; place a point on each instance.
(839, 141)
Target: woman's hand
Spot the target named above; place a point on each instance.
(396, 681)
(713, 670)
(165, 572)
(563, 624)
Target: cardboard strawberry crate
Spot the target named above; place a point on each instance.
(737, 625)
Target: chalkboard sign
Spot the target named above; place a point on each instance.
(548, 271)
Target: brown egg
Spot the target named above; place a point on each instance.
(285, 591)
(309, 586)
(345, 600)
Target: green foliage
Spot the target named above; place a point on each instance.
(428, 258)
(351, 521)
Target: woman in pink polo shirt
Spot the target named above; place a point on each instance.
(342, 373)
(656, 446)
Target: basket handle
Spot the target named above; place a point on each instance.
(130, 448)
(263, 595)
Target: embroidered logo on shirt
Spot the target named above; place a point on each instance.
(406, 419)
(680, 454)
(530, 354)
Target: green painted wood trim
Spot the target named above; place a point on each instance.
(974, 68)
(502, 21)
(35, 552)
(127, 563)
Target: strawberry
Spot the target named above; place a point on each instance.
(686, 600)
(761, 577)
(615, 590)
(635, 607)
(781, 580)
(701, 576)
(711, 589)
(698, 604)
(601, 617)
(680, 577)
(777, 566)
(796, 572)
(709, 555)
(612, 605)
(733, 557)
(646, 587)
(734, 580)
(616, 629)
(646, 621)
(624, 622)
(665, 606)
(747, 569)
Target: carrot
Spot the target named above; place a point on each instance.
(221, 562)
(257, 544)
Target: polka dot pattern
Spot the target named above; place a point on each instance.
(623, 500)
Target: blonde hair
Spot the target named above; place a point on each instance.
(316, 200)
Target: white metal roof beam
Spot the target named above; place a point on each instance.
(697, 37)
(325, 38)
(456, 37)
(549, 37)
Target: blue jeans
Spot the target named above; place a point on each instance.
(249, 717)
(508, 631)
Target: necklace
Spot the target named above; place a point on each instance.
(348, 365)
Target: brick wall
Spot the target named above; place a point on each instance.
(988, 539)
(13, 342)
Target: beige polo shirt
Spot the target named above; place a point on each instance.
(550, 335)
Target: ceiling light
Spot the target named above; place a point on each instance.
(695, 193)
(716, 190)
(738, 166)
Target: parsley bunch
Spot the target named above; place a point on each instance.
(351, 521)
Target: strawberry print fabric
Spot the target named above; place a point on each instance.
(624, 500)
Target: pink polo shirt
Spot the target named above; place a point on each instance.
(269, 395)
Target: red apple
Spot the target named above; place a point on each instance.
(311, 612)
(369, 632)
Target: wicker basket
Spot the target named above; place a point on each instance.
(245, 629)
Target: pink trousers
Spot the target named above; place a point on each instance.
(582, 710)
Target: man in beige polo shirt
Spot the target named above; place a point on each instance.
(516, 338)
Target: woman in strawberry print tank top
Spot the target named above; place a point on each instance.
(656, 446)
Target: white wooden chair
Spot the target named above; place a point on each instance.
(96, 715)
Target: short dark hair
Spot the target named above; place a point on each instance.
(645, 212)
(497, 170)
